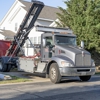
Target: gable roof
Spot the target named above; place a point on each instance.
(46, 13)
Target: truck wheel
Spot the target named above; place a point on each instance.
(8, 68)
(85, 78)
(3, 67)
(54, 73)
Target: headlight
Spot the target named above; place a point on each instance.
(66, 64)
(93, 64)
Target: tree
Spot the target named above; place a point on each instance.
(83, 17)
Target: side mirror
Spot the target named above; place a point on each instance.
(44, 42)
(82, 44)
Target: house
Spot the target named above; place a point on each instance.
(12, 20)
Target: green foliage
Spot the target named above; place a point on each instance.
(83, 17)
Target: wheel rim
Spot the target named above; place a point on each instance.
(53, 73)
(0, 65)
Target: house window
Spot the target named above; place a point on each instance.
(39, 40)
(27, 44)
(3, 28)
(16, 26)
(35, 40)
(32, 40)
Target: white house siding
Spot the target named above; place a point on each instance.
(36, 35)
(53, 24)
(35, 39)
(2, 37)
(33, 34)
(15, 15)
(17, 20)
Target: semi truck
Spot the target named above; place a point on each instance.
(57, 56)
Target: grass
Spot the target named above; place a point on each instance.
(14, 80)
(97, 73)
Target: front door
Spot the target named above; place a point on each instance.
(46, 52)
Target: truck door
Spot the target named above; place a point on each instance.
(46, 51)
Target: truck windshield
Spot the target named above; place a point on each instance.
(65, 40)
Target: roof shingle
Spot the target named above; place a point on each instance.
(46, 13)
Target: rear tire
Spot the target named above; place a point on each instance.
(3, 66)
(54, 73)
(85, 78)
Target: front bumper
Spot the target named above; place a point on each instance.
(77, 71)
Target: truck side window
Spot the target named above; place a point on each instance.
(49, 41)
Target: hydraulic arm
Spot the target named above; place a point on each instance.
(25, 28)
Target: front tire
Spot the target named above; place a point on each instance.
(85, 78)
(54, 73)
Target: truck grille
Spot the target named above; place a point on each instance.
(83, 60)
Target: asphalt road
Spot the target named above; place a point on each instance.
(68, 89)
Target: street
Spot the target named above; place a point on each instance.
(69, 89)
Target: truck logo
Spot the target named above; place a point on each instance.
(83, 54)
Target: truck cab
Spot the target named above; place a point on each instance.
(53, 43)
(64, 57)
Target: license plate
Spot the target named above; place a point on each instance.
(83, 73)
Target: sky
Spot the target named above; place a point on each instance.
(6, 4)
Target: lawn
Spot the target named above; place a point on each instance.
(15, 80)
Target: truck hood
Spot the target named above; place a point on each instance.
(79, 56)
(73, 49)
